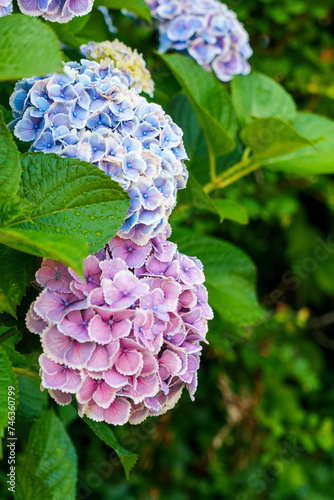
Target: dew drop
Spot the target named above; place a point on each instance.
(98, 233)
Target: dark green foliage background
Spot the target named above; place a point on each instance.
(261, 426)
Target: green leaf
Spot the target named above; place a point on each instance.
(77, 208)
(7, 379)
(12, 207)
(318, 159)
(258, 96)
(16, 270)
(31, 487)
(272, 137)
(138, 7)
(194, 196)
(210, 100)
(70, 251)
(230, 278)
(106, 434)
(50, 462)
(32, 402)
(10, 168)
(230, 209)
(28, 47)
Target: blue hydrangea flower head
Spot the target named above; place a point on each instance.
(90, 112)
(205, 30)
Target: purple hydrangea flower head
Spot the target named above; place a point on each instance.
(6, 7)
(127, 340)
(60, 11)
(207, 31)
(90, 112)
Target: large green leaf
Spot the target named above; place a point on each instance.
(50, 462)
(317, 159)
(259, 96)
(28, 47)
(10, 168)
(16, 270)
(272, 137)
(138, 7)
(77, 208)
(106, 434)
(70, 251)
(210, 100)
(230, 278)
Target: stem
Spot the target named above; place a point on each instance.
(9, 333)
(236, 172)
(23, 371)
(212, 163)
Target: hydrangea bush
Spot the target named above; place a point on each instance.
(126, 339)
(101, 307)
(91, 112)
(205, 30)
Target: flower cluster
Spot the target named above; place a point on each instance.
(126, 339)
(125, 59)
(90, 113)
(6, 7)
(61, 11)
(207, 31)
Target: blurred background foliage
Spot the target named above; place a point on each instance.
(261, 426)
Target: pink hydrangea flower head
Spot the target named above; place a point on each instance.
(127, 339)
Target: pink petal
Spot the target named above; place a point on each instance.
(118, 412)
(102, 357)
(34, 323)
(129, 362)
(147, 386)
(79, 353)
(138, 414)
(61, 397)
(56, 381)
(115, 379)
(99, 330)
(111, 267)
(55, 344)
(171, 361)
(74, 381)
(150, 365)
(95, 413)
(86, 390)
(121, 329)
(104, 395)
(48, 366)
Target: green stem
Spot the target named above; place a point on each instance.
(240, 169)
(236, 172)
(9, 333)
(212, 163)
(23, 371)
